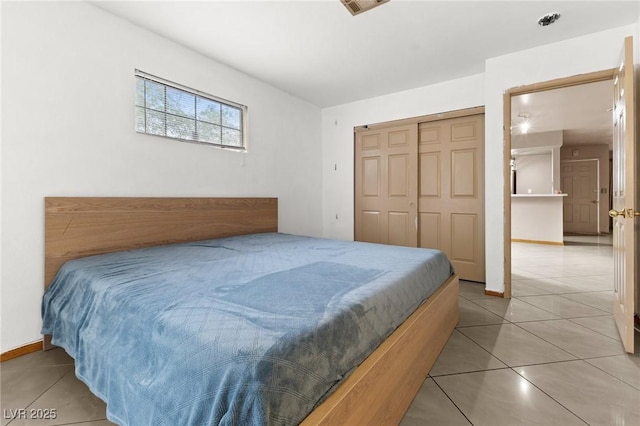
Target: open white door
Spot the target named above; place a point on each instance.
(624, 211)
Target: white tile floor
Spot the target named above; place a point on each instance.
(551, 355)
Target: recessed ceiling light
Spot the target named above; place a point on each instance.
(548, 19)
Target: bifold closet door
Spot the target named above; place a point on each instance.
(451, 192)
(386, 176)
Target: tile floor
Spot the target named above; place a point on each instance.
(551, 355)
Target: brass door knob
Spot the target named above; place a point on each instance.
(616, 213)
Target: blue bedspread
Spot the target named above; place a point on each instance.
(256, 329)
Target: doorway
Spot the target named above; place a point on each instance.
(605, 75)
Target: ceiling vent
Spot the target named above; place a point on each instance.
(356, 7)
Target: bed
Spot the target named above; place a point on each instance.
(357, 352)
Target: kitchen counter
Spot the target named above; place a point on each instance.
(537, 218)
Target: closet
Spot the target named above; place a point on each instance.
(420, 183)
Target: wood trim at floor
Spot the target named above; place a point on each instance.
(22, 350)
(494, 293)
(551, 243)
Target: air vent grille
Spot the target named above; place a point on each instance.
(358, 6)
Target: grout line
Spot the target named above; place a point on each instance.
(595, 331)
(561, 316)
(552, 398)
(506, 367)
(490, 353)
(540, 320)
(577, 301)
(47, 389)
(485, 309)
(452, 401)
(82, 422)
(606, 372)
(563, 349)
(514, 322)
(545, 340)
(482, 325)
(536, 336)
(71, 370)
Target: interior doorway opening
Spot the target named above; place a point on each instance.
(530, 205)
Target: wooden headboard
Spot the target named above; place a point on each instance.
(84, 226)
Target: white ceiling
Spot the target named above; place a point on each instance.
(317, 51)
(583, 113)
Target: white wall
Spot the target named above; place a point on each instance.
(593, 52)
(337, 138)
(535, 174)
(55, 140)
(67, 113)
(580, 55)
(1, 133)
(537, 140)
(541, 142)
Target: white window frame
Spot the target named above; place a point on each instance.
(143, 112)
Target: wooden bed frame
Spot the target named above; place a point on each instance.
(379, 391)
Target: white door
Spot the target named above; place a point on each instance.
(624, 197)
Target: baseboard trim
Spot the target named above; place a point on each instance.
(22, 350)
(494, 293)
(551, 243)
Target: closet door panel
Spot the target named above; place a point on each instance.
(423, 185)
(455, 191)
(386, 185)
(430, 227)
(430, 174)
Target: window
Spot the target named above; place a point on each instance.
(168, 109)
